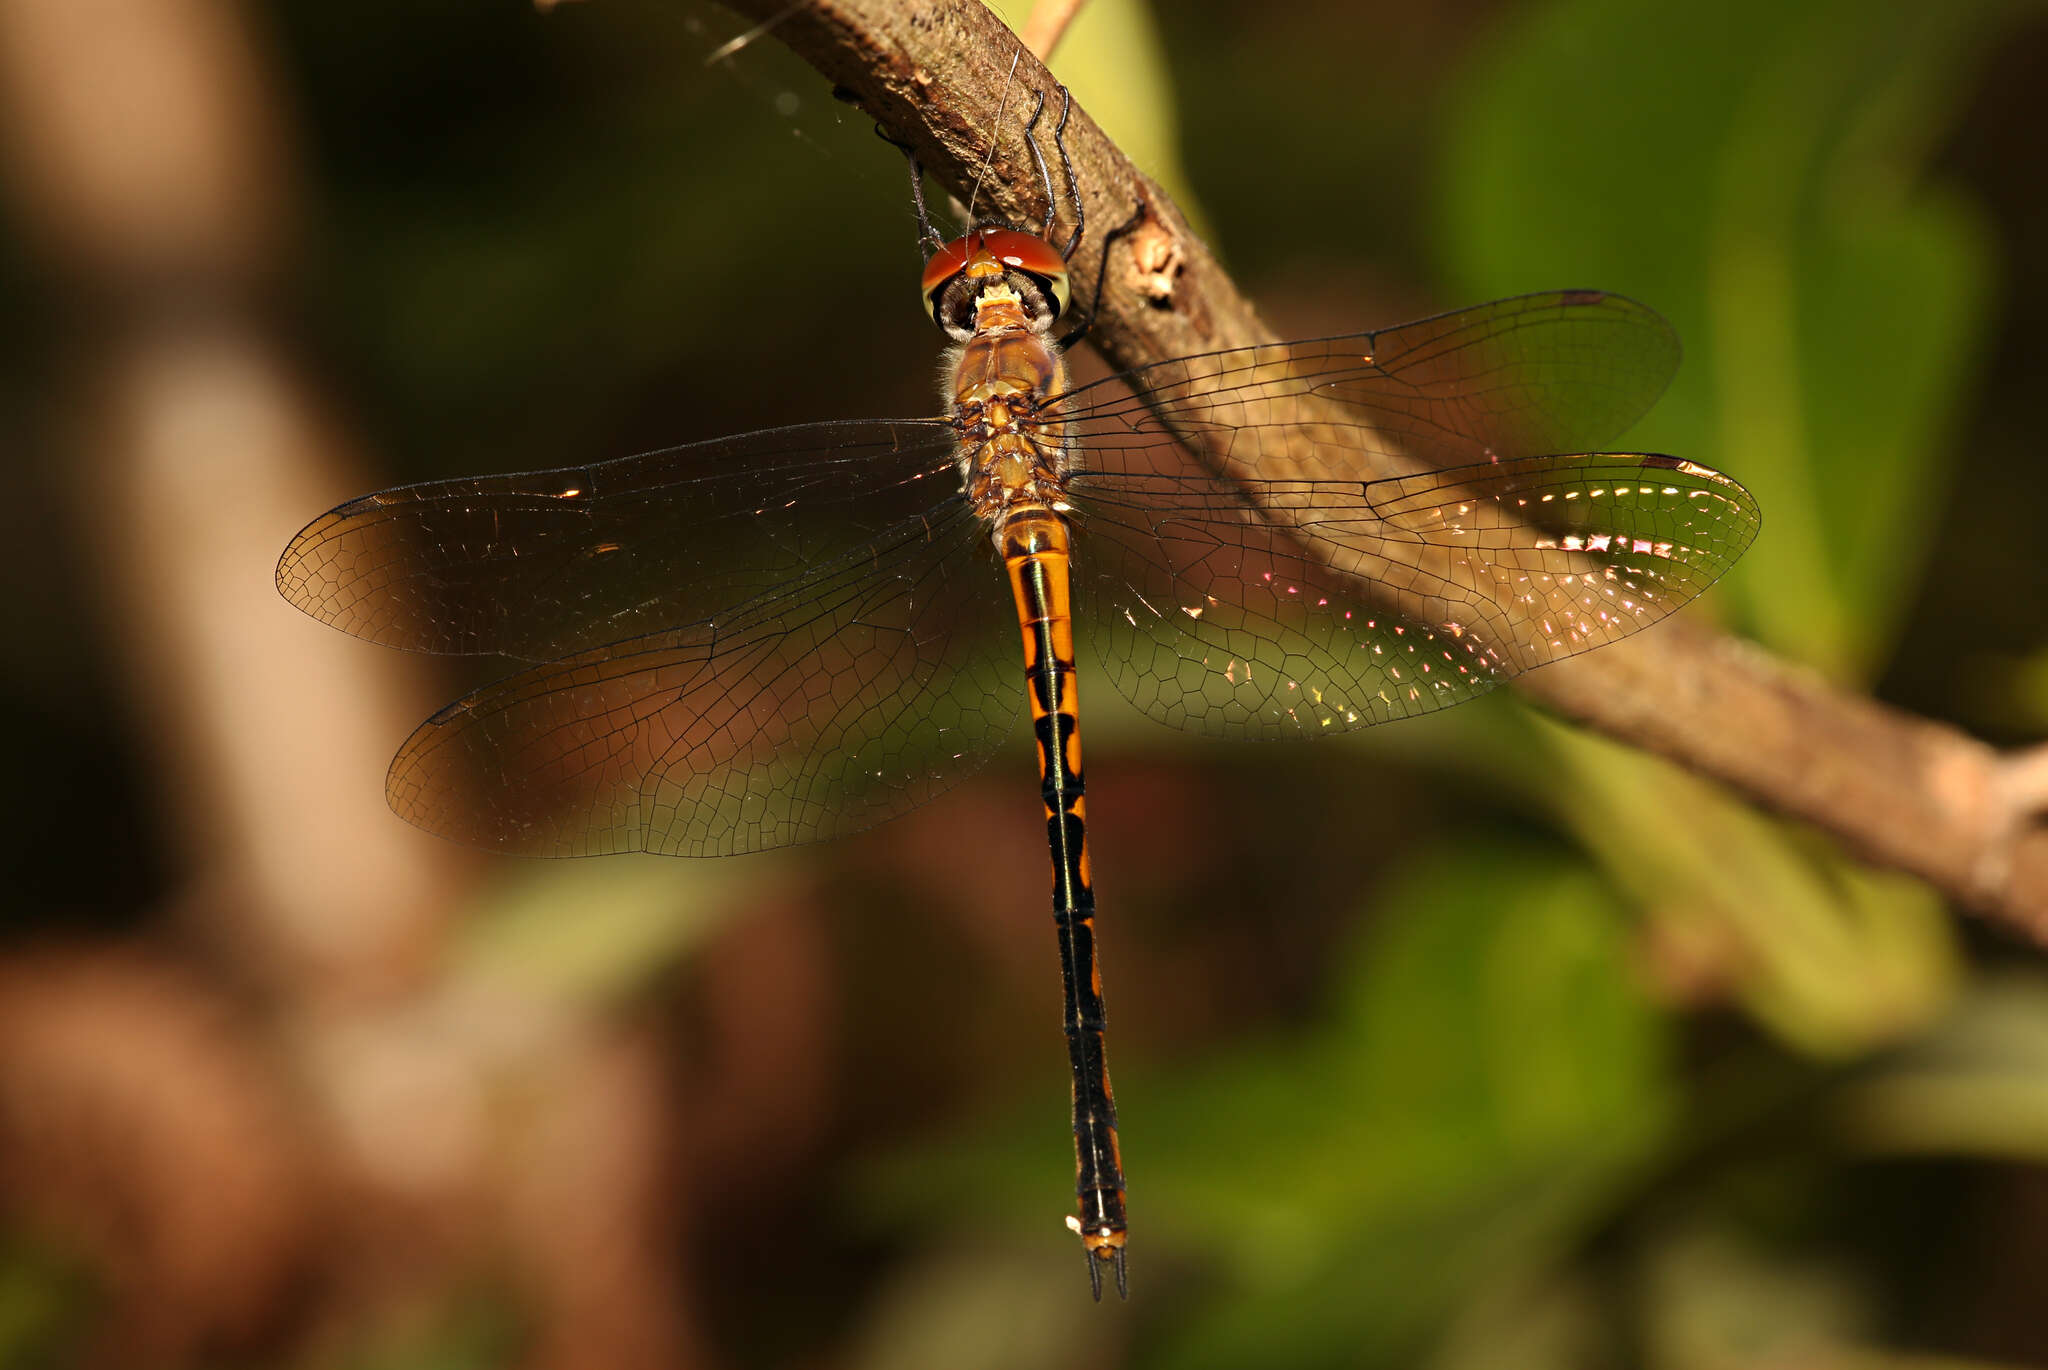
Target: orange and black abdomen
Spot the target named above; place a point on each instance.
(1035, 550)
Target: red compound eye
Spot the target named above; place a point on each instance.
(947, 262)
(1020, 251)
(1024, 251)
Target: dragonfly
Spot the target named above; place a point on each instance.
(785, 636)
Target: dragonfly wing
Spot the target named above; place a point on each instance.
(1566, 371)
(548, 564)
(856, 694)
(1296, 608)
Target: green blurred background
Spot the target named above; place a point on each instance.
(1474, 1042)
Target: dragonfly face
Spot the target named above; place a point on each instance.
(959, 274)
(785, 636)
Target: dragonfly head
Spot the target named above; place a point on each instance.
(960, 273)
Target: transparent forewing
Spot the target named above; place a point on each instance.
(845, 698)
(546, 564)
(1566, 371)
(1296, 608)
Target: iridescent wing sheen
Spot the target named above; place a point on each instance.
(1567, 371)
(1299, 608)
(1303, 538)
(852, 694)
(547, 564)
(789, 635)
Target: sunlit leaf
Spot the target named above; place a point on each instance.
(1762, 192)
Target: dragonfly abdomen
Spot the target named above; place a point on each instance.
(1036, 552)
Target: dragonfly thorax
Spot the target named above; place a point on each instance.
(1013, 453)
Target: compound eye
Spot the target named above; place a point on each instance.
(943, 265)
(1024, 251)
(1033, 256)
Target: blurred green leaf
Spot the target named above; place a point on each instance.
(1750, 169)
(1832, 958)
(1978, 1086)
(1488, 1079)
(593, 930)
(1545, 1323)
(1491, 1079)
(1712, 1296)
(1715, 1298)
(44, 1303)
(1494, 1010)
(476, 1329)
(979, 1306)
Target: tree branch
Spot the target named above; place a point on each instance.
(1047, 25)
(1899, 790)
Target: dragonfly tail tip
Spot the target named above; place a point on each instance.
(1115, 1259)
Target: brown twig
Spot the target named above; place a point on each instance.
(1047, 25)
(1899, 790)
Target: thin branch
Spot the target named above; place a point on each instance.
(1899, 790)
(1047, 25)
(2026, 782)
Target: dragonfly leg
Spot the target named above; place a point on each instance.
(1087, 320)
(928, 237)
(1052, 207)
(1059, 145)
